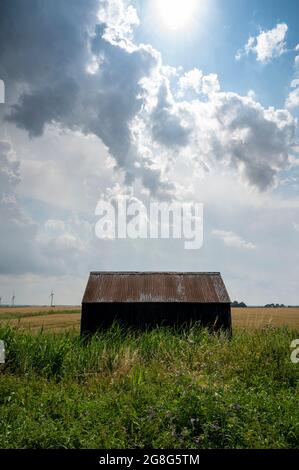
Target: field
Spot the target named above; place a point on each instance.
(164, 388)
(66, 318)
(260, 317)
(42, 318)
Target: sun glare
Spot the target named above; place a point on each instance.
(176, 14)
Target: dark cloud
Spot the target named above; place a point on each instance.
(167, 128)
(256, 138)
(47, 47)
(42, 41)
(46, 105)
(118, 96)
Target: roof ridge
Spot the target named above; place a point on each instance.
(156, 272)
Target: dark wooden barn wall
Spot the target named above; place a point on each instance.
(143, 315)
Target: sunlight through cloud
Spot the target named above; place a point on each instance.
(176, 14)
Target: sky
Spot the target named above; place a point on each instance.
(178, 101)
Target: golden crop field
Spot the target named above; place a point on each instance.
(259, 317)
(38, 309)
(47, 318)
(64, 318)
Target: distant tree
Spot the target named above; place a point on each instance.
(235, 303)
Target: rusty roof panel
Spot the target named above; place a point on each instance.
(155, 287)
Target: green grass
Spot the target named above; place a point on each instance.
(156, 389)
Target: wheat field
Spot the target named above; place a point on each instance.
(65, 318)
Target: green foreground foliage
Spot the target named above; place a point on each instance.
(163, 388)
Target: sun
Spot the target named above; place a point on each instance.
(176, 14)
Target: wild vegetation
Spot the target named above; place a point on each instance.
(163, 388)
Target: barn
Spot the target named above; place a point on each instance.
(147, 299)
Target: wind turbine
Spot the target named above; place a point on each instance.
(13, 300)
(52, 297)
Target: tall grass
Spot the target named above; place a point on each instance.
(160, 388)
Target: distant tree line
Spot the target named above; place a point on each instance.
(235, 303)
(274, 305)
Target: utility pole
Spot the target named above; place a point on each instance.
(52, 297)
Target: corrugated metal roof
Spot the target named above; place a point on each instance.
(155, 287)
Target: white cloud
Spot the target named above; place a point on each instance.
(17, 230)
(192, 80)
(195, 80)
(248, 47)
(120, 20)
(210, 84)
(233, 240)
(267, 45)
(71, 160)
(224, 129)
(293, 99)
(251, 94)
(30, 246)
